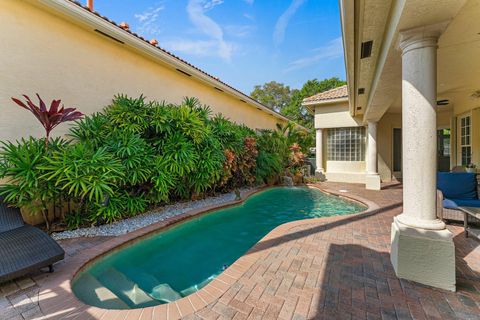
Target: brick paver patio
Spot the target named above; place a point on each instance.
(330, 268)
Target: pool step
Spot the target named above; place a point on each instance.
(163, 292)
(199, 286)
(158, 291)
(91, 291)
(126, 289)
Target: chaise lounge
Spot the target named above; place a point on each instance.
(23, 248)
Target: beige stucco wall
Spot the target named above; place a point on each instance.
(385, 127)
(345, 171)
(387, 123)
(335, 115)
(42, 52)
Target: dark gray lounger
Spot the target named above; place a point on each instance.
(23, 248)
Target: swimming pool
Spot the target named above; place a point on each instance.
(181, 260)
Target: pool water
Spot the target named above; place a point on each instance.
(179, 261)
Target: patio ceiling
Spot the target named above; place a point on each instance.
(380, 74)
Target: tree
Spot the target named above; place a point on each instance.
(295, 111)
(273, 94)
(281, 98)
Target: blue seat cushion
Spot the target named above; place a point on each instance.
(458, 185)
(449, 204)
(461, 203)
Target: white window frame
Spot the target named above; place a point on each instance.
(464, 138)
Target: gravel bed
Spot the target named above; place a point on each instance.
(148, 218)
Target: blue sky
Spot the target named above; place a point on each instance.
(243, 42)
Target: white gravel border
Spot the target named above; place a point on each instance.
(148, 218)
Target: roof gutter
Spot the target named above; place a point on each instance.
(77, 12)
(348, 24)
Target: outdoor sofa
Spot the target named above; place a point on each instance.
(23, 248)
(457, 189)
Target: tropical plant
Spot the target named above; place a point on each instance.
(296, 157)
(22, 166)
(84, 173)
(49, 118)
(269, 166)
(136, 154)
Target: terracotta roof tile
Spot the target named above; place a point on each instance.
(332, 94)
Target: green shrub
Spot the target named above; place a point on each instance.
(136, 154)
(23, 166)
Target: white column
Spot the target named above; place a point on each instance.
(319, 150)
(372, 148)
(419, 134)
(372, 179)
(422, 248)
(320, 170)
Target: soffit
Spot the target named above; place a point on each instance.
(415, 13)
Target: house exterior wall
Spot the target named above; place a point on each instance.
(337, 115)
(471, 108)
(387, 123)
(45, 53)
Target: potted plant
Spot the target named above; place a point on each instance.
(471, 167)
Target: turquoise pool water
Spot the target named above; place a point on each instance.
(174, 263)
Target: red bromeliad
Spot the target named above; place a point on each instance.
(49, 118)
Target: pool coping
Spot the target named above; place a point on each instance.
(57, 298)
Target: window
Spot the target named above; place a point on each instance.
(465, 140)
(346, 144)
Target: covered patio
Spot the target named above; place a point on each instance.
(411, 109)
(325, 268)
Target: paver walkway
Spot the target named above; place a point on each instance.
(333, 268)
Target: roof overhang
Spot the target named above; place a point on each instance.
(347, 22)
(89, 19)
(381, 21)
(311, 105)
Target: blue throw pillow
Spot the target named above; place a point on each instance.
(457, 185)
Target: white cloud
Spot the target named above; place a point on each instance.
(282, 22)
(333, 49)
(249, 16)
(196, 12)
(210, 4)
(239, 31)
(195, 47)
(148, 21)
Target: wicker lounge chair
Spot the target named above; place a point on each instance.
(457, 189)
(23, 248)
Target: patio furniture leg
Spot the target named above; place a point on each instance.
(465, 223)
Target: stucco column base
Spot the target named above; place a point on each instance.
(320, 174)
(424, 256)
(413, 221)
(372, 181)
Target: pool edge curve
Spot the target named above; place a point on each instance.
(191, 303)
